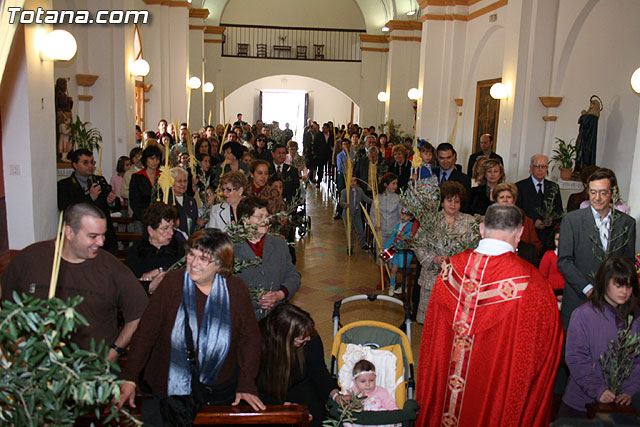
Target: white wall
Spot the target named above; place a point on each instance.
(28, 139)
(601, 61)
(326, 103)
(485, 46)
(295, 13)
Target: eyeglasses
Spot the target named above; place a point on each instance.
(165, 228)
(206, 261)
(228, 190)
(541, 166)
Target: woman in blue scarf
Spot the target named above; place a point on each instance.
(218, 310)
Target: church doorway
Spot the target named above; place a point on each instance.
(285, 106)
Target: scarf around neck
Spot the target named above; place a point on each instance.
(212, 338)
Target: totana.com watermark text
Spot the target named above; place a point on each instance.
(41, 16)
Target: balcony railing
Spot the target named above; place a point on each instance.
(312, 44)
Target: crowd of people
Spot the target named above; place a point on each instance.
(213, 269)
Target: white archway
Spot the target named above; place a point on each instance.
(326, 102)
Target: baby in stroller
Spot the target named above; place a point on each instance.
(364, 384)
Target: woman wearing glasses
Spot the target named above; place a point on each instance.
(274, 278)
(233, 186)
(216, 307)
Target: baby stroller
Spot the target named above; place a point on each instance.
(362, 338)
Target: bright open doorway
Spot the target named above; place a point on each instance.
(285, 106)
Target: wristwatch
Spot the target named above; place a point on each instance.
(121, 351)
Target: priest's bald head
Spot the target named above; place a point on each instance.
(503, 221)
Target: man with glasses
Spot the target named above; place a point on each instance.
(84, 186)
(536, 192)
(588, 236)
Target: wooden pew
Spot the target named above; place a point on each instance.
(231, 415)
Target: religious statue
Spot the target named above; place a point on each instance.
(588, 134)
(64, 118)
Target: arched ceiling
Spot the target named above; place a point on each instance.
(374, 13)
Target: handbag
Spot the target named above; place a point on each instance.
(181, 410)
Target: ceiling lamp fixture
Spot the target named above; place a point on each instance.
(383, 96)
(194, 82)
(140, 68)
(207, 87)
(58, 45)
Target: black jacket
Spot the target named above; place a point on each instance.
(70, 192)
(290, 180)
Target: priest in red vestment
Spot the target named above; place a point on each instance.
(492, 335)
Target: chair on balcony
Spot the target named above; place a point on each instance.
(261, 50)
(243, 49)
(301, 52)
(318, 50)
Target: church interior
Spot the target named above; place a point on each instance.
(428, 66)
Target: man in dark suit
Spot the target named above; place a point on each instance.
(322, 148)
(534, 191)
(84, 186)
(486, 149)
(288, 173)
(447, 171)
(589, 236)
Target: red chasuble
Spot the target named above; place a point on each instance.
(490, 344)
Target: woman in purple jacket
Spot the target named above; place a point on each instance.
(593, 325)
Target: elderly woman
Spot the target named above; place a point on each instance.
(401, 166)
(141, 184)
(452, 196)
(233, 186)
(205, 301)
(481, 196)
(275, 278)
(185, 204)
(259, 171)
(507, 192)
(292, 367)
(232, 152)
(158, 248)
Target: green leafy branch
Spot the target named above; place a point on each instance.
(346, 412)
(547, 210)
(617, 360)
(47, 380)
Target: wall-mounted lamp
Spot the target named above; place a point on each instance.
(58, 45)
(385, 29)
(413, 94)
(140, 68)
(207, 87)
(499, 91)
(411, 13)
(635, 80)
(383, 96)
(194, 82)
